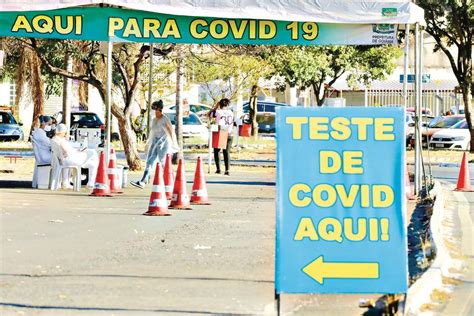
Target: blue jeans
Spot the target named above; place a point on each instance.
(157, 151)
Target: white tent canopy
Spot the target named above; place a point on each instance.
(322, 11)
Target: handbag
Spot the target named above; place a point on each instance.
(219, 139)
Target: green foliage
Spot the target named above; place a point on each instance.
(451, 22)
(320, 66)
(373, 63)
(226, 71)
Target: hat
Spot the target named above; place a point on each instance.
(44, 119)
(62, 128)
(157, 104)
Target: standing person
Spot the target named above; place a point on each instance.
(160, 142)
(139, 125)
(41, 142)
(225, 122)
(85, 158)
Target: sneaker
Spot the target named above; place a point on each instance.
(218, 172)
(67, 187)
(137, 184)
(227, 173)
(90, 186)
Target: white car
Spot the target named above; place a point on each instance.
(192, 126)
(455, 137)
(199, 109)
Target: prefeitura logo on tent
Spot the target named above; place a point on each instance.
(389, 12)
(384, 34)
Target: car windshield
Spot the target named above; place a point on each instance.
(260, 107)
(6, 118)
(447, 122)
(193, 108)
(85, 118)
(462, 124)
(192, 119)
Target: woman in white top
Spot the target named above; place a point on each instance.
(85, 158)
(41, 142)
(225, 120)
(160, 142)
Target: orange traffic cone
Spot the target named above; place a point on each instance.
(408, 191)
(464, 180)
(199, 192)
(180, 199)
(113, 173)
(169, 177)
(158, 203)
(101, 187)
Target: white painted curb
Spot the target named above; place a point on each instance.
(420, 292)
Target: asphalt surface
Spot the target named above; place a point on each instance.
(65, 253)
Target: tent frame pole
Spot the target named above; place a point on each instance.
(406, 60)
(150, 91)
(108, 101)
(418, 110)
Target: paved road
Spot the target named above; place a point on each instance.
(65, 253)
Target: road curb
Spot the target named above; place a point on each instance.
(420, 292)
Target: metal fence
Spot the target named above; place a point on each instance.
(437, 101)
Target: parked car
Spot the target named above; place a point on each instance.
(9, 128)
(197, 108)
(435, 125)
(455, 137)
(424, 111)
(265, 115)
(87, 120)
(192, 126)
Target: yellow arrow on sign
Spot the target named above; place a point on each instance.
(320, 270)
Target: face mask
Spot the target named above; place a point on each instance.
(47, 128)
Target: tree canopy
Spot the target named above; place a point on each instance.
(451, 23)
(320, 66)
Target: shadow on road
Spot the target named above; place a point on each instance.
(4, 184)
(111, 309)
(130, 276)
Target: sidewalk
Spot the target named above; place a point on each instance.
(460, 207)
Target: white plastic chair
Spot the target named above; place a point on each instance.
(37, 158)
(57, 168)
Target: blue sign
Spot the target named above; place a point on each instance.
(425, 78)
(340, 200)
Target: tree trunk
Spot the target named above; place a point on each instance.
(67, 92)
(129, 142)
(253, 110)
(84, 95)
(179, 105)
(37, 90)
(317, 95)
(467, 100)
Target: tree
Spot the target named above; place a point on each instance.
(451, 23)
(320, 66)
(127, 61)
(24, 66)
(226, 70)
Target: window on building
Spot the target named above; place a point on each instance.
(12, 93)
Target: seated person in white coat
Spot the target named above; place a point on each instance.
(84, 158)
(41, 141)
